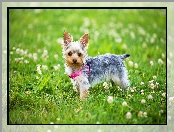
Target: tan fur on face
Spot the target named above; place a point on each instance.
(69, 59)
(75, 48)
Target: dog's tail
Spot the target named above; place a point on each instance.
(124, 56)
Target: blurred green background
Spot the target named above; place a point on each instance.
(35, 37)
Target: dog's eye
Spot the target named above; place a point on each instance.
(79, 54)
(70, 53)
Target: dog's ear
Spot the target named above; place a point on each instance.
(84, 40)
(67, 38)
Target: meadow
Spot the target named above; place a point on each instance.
(39, 91)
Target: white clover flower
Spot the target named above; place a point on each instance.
(142, 91)
(19, 59)
(128, 115)
(30, 55)
(152, 40)
(26, 61)
(105, 84)
(144, 45)
(149, 96)
(21, 51)
(129, 95)
(130, 63)
(132, 35)
(17, 50)
(145, 114)
(142, 83)
(97, 122)
(24, 52)
(132, 90)
(28, 92)
(154, 77)
(51, 122)
(39, 72)
(151, 81)
(45, 52)
(38, 69)
(154, 35)
(57, 67)
(60, 41)
(35, 56)
(56, 56)
(152, 86)
(156, 84)
(58, 119)
(143, 101)
(151, 63)
(160, 61)
(124, 103)
(164, 94)
(118, 40)
(141, 31)
(110, 99)
(106, 87)
(44, 67)
(163, 55)
(161, 111)
(135, 65)
(39, 50)
(140, 113)
(124, 46)
(120, 89)
(38, 65)
(16, 59)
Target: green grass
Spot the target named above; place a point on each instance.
(49, 97)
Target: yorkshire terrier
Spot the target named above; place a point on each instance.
(85, 71)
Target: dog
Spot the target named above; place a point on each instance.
(85, 71)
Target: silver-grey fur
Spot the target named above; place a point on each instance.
(107, 67)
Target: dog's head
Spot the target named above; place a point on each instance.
(75, 52)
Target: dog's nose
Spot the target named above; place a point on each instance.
(74, 60)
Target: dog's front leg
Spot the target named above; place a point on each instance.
(83, 87)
